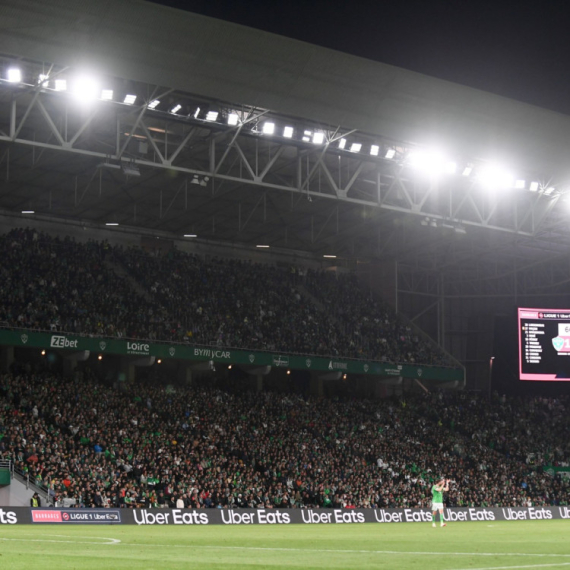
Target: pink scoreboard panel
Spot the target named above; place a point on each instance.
(544, 344)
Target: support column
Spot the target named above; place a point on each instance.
(259, 382)
(127, 373)
(316, 386)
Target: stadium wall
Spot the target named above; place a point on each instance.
(272, 516)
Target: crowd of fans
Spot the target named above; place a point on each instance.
(95, 445)
(58, 284)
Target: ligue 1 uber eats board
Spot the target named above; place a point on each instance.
(544, 344)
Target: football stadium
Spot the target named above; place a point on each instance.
(264, 304)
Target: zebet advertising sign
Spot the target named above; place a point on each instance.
(22, 515)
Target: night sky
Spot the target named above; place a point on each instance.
(520, 50)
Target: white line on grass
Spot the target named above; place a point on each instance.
(529, 566)
(347, 551)
(98, 538)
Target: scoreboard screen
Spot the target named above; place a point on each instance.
(544, 344)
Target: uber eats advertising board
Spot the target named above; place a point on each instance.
(98, 345)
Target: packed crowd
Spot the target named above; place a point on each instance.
(61, 285)
(205, 447)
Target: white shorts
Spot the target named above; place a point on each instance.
(437, 506)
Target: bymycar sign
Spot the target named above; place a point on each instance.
(248, 517)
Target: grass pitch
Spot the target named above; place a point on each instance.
(459, 546)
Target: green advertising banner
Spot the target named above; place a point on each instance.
(59, 341)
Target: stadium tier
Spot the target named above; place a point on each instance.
(204, 446)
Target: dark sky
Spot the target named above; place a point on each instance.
(519, 49)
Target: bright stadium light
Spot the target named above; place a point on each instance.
(14, 75)
(450, 167)
(374, 150)
(341, 143)
(431, 162)
(154, 104)
(262, 246)
(190, 235)
(175, 109)
(355, 147)
(28, 212)
(390, 153)
(268, 128)
(534, 186)
(549, 190)
(495, 176)
(196, 112)
(61, 85)
(233, 119)
(86, 88)
(318, 138)
(107, 95)
(211, 115)
(43, 80)
(130, 99)
(520, 184)
(288, 132)
(467, 171)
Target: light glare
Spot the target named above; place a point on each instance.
(154, 104)
(60, 85)
(106, 94)
(175, 109)
(233, 119)
(391, 153)
(355, 147)
(495, 176)
(211, 115)
(533, 186)
(129, 99)
(520, 184)
(14, 75)
(318, 138)
(268, 128)
(288, 132)
(374, 150)
(341, 143)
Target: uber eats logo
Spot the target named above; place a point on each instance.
(62, 342)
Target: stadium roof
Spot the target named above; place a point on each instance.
(185, 174)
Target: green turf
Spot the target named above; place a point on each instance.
(469, 546)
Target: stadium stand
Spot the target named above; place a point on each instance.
(209, 446)
(56, 284)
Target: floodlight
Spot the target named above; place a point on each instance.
(154, 104)
(495, 176)
(451, 167)
(318, 138)
(14, 75)
(233, 119)
(107, 94)
(262, 246)
(196, 112)
(130, 99)
(86, 88)
(549, 190)
(467, 170)
(175, 109)
(212, 115)
(432, 162)
(28, 212)
(533, 186)
(330, 256)
(390, 153)
(355, 147)
(374, 150)
(306, 139)
(341, 143)
(111, 224)
(288, 132)
(60, 85)
(190, 235)
(520, 184)
(308, 133)
(43, 79)
(268, 128)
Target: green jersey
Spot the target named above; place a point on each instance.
(437, 496)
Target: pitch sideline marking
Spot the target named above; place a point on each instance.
(349, 551)
(309, 550)
(98, 538)
(529, 566)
